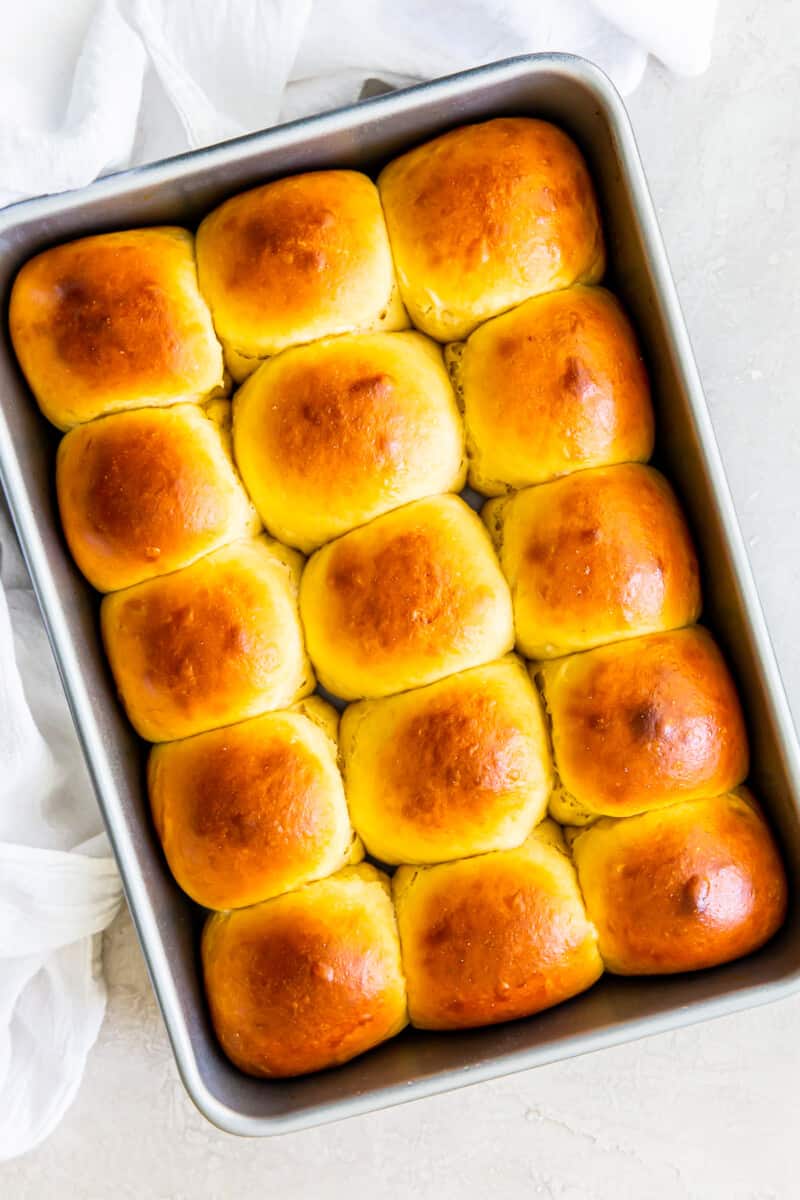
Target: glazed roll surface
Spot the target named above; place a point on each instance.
(554, 386)
(596, 557)
(114, 321)
(298, 259)
(143, 493)
(250, 811)
(641, 724)
(689, 886)
(495, 937)
(415, 595)
(307, 980)
(332, 434)
(456, 768)
(486, 216)
(209, 645)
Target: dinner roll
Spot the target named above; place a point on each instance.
(142, 493)
(686, 887)
(211, 644)
(253, 810)
(415, 595)
(553, 386)
(595, 557)
(641, 724)
(330, 435)
(495, 937)
(114, 321)
(307, 980)
(456, 768)
(295, 260)
(486, 216)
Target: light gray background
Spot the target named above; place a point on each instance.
(712, 1111)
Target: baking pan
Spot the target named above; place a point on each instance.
(577, 96)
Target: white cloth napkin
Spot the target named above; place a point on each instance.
(126, 81)
(86, 87)
(58, 885)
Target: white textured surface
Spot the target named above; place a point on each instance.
(709, 1112)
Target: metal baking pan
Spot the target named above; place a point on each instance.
(577, 96)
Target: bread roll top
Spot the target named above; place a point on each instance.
(641, 724)
(689, 886)
(211, 644)
(307, 980)
(495, 937)
(114, 321)
(553, 386)
(596, 557)
(486, 216)
(143, 493)
(332, 434)
(415, 595)
(456, 768)
(250, 811)
(295, 260)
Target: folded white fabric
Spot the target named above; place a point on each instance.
(59, 887)
(155, 77)
(117, 82)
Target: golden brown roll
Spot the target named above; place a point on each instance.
(330, 435)
(295, 260)
(495, 937)
(599, 556)
(641, 724)
(415, 595)
(143, 493)
(456, 768)
(114, 321)
(686, 887)
(554, 386)
(253, 810)
(211, 644)
(485, 216)
(307, 980)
